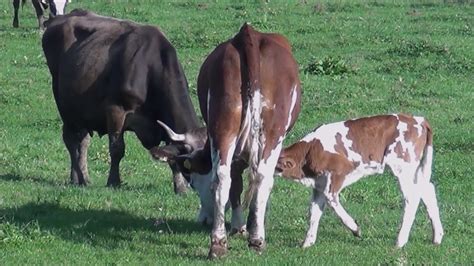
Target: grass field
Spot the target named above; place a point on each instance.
(356, 58)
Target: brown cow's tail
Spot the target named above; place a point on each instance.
(247, 40)
(427, 161)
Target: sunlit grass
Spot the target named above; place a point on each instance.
(368, 57)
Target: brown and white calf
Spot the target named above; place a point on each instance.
(249, 95)
(336, 155)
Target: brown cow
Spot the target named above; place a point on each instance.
(336, 155)
(249, 94)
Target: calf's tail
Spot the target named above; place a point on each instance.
(426, 163)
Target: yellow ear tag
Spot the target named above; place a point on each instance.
(187, 164)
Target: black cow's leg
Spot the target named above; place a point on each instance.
(236, 188)
(16, 6)
(179, 182)
(115, 123)
(39, 13)
(77, 143)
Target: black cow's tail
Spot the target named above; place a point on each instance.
(250, 51)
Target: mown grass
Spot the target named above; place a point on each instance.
(370, 57)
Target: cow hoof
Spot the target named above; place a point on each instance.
(239, 232)
(357, 233)
(180, 189)
(80, 183)
(218, 249)
(257, 244)
(15, 24)
(114, 184)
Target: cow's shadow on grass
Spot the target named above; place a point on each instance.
(35, 179)
(107, 228)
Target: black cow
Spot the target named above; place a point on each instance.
(56, 7)
(109, 76)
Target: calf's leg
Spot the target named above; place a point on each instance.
(77, 143)
(431, 203)
(347, 220)
(332, 196)
(316, 208)
(411, 198)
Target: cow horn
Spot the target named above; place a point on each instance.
(173, 135)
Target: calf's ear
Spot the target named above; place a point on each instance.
(286, 163)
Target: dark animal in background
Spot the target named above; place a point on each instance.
(110, 76)
(249, 93)
(56, 7)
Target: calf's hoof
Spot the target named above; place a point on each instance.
(357, 233)
(218, 248)
(257, 244)
(438, 237)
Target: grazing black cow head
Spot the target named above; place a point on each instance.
(188, 152)
(185, 143)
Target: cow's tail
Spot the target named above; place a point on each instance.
(253, 99)
(426, 163)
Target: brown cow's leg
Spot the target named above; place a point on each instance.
(115, 123)
(223, 151)
(77, 143)
(16, 6)
(39, 13)
(263, 175)
(237, 224)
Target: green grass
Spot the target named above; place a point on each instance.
(370, 57)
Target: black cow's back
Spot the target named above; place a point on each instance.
(96, 61)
